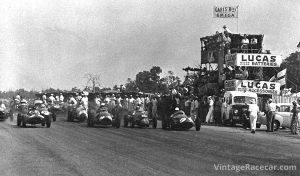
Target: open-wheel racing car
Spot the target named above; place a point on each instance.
(77, 112)
(103, 118)
(5, 113)
(35, 115)
(179, 120)
(139, 118)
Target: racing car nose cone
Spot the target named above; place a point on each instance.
(145, 121)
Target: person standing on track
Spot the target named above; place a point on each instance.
(253, 109)
(271, 108)
(295, 119)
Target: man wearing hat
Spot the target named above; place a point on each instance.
(271, 108)
(61, 97)
(51, 99)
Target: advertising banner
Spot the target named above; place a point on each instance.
(253, 60)
(225, 12)
(259, 87)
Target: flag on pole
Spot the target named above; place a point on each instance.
(279, 77)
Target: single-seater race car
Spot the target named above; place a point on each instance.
(139, 118)
(103, 118)
(179, 120)
(3, 114)
(38, 114)
(77, 112)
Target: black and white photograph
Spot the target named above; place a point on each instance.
(149, 87)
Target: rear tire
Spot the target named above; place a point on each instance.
(11, 115)
(154, 123)
(70, 116)
(125, 121)
(24, 120)
(48, 121)
(82, 117)
(19, 120)
(117, 122)
(54, 117)
(197, 124)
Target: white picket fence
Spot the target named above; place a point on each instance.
(284, 99)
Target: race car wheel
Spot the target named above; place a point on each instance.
(54, 117)
(23, 121)
(117, 122)
(154, 123)
(132, 125)
(19, 120)
(82, 117)
(164, 124)
(92, 122)
(126, 121)
(70, 116)
(11, 115)
(48, 121)
(198, 124)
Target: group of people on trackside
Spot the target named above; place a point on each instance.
(270, 110)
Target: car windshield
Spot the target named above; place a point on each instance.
(243, 99)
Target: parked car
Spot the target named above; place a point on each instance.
(283, 116)
(235, 108)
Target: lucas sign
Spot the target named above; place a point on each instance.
(253, 60)
(225, 11)
(259, 87)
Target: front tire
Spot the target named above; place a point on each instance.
(126, 121)
(19, 120)
(24, 120)
(48, 121)
(197, 124)
(118, 123)
(154, 123)
(54, 117)
(70, 116)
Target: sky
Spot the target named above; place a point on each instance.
(55, 43)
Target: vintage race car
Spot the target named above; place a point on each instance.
(77, 112)
(39, 105)
(139, 118)
(103, 118)
(179, 120)
(35, 115)
(3, 114)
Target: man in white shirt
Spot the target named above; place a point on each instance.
(209, 116)
(2, 106)
(245, 44)
(253, 109)
(61, 97)
(271, 108)
(72, 100)
(51, 99)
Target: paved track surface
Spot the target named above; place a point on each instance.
(70, 148)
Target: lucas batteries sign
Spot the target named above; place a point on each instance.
(260, 87)
(253, 60)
